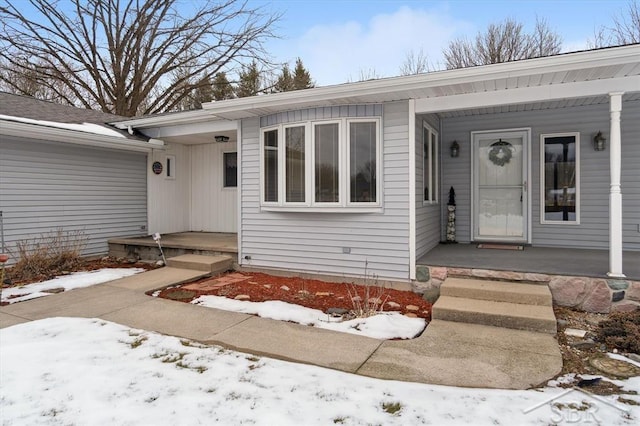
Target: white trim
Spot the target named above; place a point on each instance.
(383, 89)
(434, 159)
(615, 189)
(543, 136)
(524, 95)
(525, 133)
(46, 133)
(239, 193)
(412, 190)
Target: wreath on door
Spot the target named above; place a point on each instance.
(500, 153)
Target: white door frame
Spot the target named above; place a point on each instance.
(525, 133)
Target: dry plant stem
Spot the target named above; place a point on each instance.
(373, 299)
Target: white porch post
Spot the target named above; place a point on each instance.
(615, 194)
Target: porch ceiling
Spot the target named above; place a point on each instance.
(562, 103)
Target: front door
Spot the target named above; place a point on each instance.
(500, 170)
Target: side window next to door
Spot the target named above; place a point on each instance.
(230, 165)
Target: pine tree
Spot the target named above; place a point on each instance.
(285, 81)
(301, 77)
(222, 88)
(250, 81)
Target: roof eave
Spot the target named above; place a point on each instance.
(46, 133)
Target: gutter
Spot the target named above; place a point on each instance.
(33, 131)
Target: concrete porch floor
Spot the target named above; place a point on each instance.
(544, 260)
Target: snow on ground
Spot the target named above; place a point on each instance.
(93, 372)
(386, 325)
(66, 282)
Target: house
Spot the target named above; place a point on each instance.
(541, 152)
(64, 168)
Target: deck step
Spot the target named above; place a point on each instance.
(198, 262)
(497, 291)
(498, 314)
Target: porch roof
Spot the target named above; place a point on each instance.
(578, 78)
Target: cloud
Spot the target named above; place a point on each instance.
(342, 52)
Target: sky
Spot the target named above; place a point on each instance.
(342, 40)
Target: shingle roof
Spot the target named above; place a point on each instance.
(35, 109)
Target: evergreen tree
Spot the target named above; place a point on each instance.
(301, 77)
(222, 88)
(285, 81)
(250, 81)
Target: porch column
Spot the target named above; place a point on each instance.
(615, 194)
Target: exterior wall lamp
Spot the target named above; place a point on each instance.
(221, 138)
(455, 149)
(599, 142)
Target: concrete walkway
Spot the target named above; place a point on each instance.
(447, 353)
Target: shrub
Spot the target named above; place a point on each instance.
(621, 331)
(47, 255)
(369, 299)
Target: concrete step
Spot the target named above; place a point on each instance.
(497, 291)
(198, 262)
(498, 314)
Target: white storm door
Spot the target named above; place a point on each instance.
(500, 165)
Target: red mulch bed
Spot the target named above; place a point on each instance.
(306, 292)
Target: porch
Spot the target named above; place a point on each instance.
(538, 260)
(176, 244)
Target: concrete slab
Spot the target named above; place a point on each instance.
(7, 320)
(498, 314)
(157, 279)
(468, 355)
(84, 302)
(299, 343)
(498, 291)
(176, 319)
(199, 262)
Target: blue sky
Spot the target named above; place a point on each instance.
(338, 40)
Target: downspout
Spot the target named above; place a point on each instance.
(615, 192)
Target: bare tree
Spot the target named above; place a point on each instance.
(121, 56)
(414, 63)
(625, 28)
(503, 42)
(367, 74)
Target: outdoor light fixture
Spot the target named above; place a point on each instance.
(455, 149)
(222, 138)
(598, 141)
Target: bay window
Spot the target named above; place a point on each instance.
(321, 165)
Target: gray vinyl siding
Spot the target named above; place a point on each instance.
(322, 113)
(46, 186)
(313, 242)
(593, 230)
(427, 216)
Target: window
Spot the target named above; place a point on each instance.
(362, 162)
(327, 163)
(295, 164)
(560, 176)
(321, 164)
(270, 177)
(230, 169)
(429, 164)
(171, 167)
